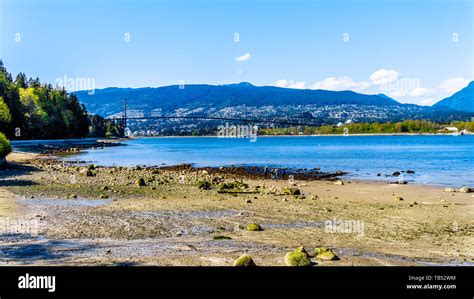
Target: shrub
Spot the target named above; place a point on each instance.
(5, 147)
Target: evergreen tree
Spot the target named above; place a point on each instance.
(32, 110)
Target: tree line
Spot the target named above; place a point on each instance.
(407, 126)
(30, 109)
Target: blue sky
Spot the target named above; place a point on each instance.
(416, 51)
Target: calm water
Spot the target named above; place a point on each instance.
(438, 160)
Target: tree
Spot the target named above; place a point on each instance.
(39, 111)
(5, 115)
(5, 148)
(21, 81)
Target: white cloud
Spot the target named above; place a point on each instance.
(422, 92)
(243, 58)
(453, 85)
(340, 83)
(290, 84)
(383, 76)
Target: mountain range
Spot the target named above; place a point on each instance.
(462, 100)
(244, 100)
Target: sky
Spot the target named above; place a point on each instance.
(415, 51)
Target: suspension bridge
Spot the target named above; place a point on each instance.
(295, 121)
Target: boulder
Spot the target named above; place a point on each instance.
(140, 182)
(318, 250)
(449, 189)
(221, 237)
(325, 254)
(253, 227)
(297, 259)
(205, 185)
(466, 190)
(301, 249)
(86, 172)
(244, 260)
(291, 191)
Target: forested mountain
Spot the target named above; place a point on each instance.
(247, 101)
(169, 98)
(462, 100)
(30, 109)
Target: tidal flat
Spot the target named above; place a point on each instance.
(185, 216)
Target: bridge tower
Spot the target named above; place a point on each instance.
(124, 112)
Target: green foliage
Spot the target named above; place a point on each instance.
(5, 115)
(100, 127)
(469, 126)
(30, 109)
(5, 147)
(407, 126)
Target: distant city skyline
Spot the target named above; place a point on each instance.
(413, 51)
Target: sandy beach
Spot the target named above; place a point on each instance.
(169, 216)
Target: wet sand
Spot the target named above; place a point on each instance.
(107, 219)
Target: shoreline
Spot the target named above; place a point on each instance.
(313, 135)
(29, 154)
(59, 146)
(15, 157)
(171, 220)
(118, 140)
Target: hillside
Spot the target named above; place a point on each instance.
(108, 101)
(244, 100)
(30, 109)
(462, 100)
